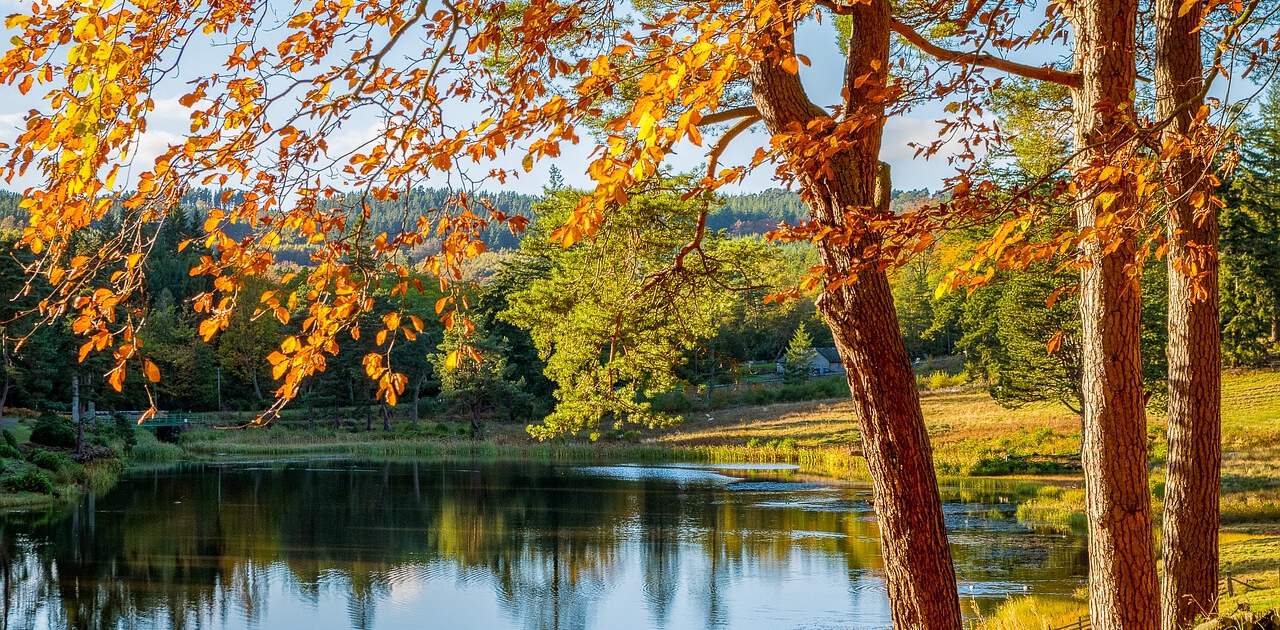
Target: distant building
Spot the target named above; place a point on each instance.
(824, 361)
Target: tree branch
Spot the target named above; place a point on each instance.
(725, 115)
(1038, 73)
(723, 143)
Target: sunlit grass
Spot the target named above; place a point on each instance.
(1033, 613)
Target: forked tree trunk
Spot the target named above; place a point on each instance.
(917, 561)
(1122, 576)
(1190, 530)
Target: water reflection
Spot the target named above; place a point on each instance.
(489, 545)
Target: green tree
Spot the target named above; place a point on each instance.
(477, 386)
(614, 317)
(800, 354)
(1250, 243)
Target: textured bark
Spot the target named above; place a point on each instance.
(1190, 530)
(917, 560)
(1122, 576)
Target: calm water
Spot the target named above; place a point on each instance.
(344, 544)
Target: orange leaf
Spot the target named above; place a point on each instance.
(1055, 342)
(115, 378)
(150, 369)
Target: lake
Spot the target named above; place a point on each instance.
(390, 545)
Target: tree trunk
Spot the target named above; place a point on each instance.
(4, 392)
(1122, 577)
(8, 375)
(257, 389)
(76, 418)
(861, 315)
(417, 397)
(386, 418)
(1190, 529)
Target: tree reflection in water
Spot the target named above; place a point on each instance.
(449, 544)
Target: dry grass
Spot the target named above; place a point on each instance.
(1034, 613)
(962, 422)
(953, 416)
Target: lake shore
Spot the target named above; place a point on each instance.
(972, 437)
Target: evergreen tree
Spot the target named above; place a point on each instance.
(800, 354)
(1250, 243)
(480, 386)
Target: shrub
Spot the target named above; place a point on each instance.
(941, 380)
(10, 440)
(27, 479)
(62, 467)
(9, 452)
(53, 430)
(52, 462)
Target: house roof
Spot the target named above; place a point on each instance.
(829, 353)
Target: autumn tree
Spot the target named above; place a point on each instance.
(427, 90)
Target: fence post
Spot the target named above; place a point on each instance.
(1231, 588)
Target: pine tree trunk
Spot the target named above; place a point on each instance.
(417, 398)
(1122, 576)
(76, 418)
(257, 389)
(1190, 529)
(4, 392)
(861, 315)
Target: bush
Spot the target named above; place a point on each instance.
(53, 430)
(27, 479)
(941, 380)
(52, 462)
(10, 440)
(9, 452)
(62, 467)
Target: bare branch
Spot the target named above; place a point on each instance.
(725, 115)
(1038, 73)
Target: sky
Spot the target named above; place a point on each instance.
(821, 79)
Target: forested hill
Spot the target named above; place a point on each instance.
(757, 213)
(741, 215)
